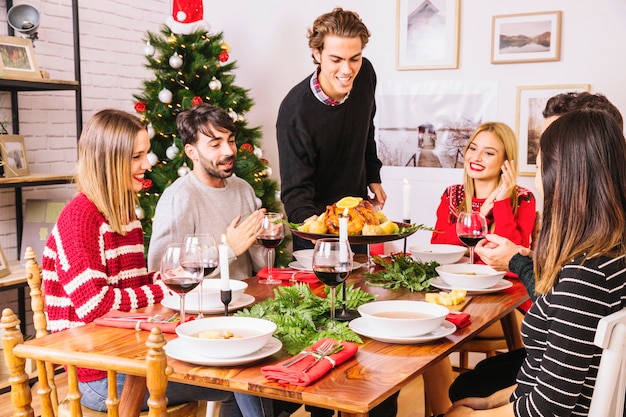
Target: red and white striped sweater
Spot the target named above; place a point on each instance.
(89, 270)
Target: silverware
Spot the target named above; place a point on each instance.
(156, 318)
(319, 350)
(336, 347)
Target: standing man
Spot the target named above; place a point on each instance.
(209, 199)
(325, 126)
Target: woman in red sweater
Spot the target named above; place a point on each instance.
(489, 187)
(94, 261)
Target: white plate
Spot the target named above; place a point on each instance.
(359, 326)
(192, 307)
(296, 265)
(503, 284)
(177, 349)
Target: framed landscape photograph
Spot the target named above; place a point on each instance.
(13, 154)
(528, 37)
(531, 100)
(427, 34)
(17, 59)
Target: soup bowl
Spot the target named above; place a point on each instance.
(469, 276)
(402, 318)
(207, 336)
(440, 253)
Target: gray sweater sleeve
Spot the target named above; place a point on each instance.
(523, 267)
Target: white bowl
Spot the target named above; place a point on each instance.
(440, 253)
(469, 276)
(402, 318)
(251, 334)
(304, 258)
(211, 296)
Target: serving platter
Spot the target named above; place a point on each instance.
(361, 239)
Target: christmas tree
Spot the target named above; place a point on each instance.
(190, 69)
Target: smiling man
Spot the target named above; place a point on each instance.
(325, 125)
(209, 199)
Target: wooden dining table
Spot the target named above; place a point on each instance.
(355, 387)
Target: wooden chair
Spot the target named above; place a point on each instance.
(48, 386)
(608, 395)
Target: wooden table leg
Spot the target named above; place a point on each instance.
(511, 332)
(132, 396)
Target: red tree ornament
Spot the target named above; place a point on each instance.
(140, 107)
(246, 147)
(196, 101)
(223, 56)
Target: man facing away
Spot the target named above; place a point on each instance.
(210, 199)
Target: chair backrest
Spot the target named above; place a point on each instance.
(47, 385)
(610, 389)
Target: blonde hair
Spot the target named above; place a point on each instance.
(507, 137)
(103, 172)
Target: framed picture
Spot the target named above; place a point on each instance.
(4, 265)
(13, 155)
(17, 59)
(427, 34)
(529, 37)
(531, 100)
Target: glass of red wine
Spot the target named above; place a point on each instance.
(270, 235)
(332, 263)
(180, 272)
(471, 228)
(206, 245)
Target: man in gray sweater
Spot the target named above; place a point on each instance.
(210, 199)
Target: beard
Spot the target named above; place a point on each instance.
(213, 169)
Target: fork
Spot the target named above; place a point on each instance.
(327, 344)
(322, 353)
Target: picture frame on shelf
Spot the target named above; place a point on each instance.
(427, 34)
(17, 59)
(531, 100)
(4, 265)
(13, 154)
(526, 37)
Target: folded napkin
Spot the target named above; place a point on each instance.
(460, 320)
(285, 274)
(295, 373)
(137, 321)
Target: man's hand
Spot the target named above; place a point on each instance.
(497, 251)
(379, 195)
(240, 236)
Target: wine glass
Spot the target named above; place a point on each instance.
(271, 233)
(180, 272)
(471, 228)
(332, 263)
(206, 245)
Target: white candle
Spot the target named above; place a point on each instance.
(343, 236)
(224, 272)
(406, 200)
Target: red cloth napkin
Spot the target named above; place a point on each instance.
(459, 320)
(131, 322)
(285, 274)
(294, 374)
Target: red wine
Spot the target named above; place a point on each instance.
(209, 268)
(470, 240)
(194, 267)
(269, 243)
(330, 276)
(182, 285)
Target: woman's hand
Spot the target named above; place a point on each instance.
(504, 190)
(497, 251)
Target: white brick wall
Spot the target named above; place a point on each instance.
(111, 43)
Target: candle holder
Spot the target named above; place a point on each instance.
(226, 296)
(407, 221)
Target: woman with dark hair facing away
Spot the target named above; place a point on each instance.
(94, 260)
(580, 265)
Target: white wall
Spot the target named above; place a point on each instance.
(267, 39)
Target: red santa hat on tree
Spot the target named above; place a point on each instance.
(187, 17)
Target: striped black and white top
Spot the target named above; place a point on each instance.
(558, 375)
